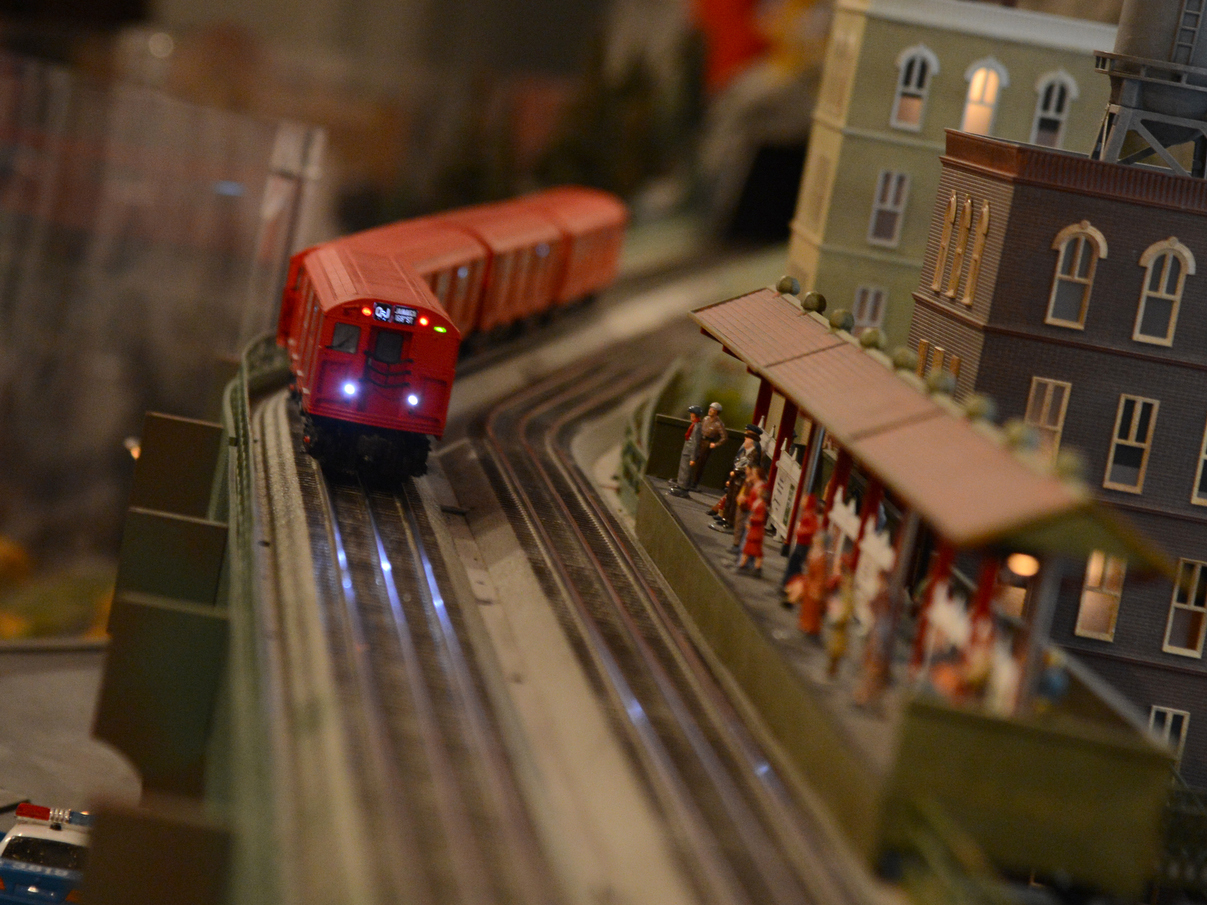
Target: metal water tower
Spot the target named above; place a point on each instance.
(1158, 78)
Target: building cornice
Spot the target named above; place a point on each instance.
(1067, 171)
(895, 138)
(989, 20)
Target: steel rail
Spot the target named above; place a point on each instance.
(796, 836)
(448, 781)
(725, 845)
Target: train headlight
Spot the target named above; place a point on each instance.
(350, 388)
(413, 399)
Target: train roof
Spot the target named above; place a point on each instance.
(579, 209)
(345, 272)
(505, 227)
(427, 244)
(958, 476)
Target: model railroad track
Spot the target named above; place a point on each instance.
(742, 837)
(430, 788)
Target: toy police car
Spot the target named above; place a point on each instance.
(42, 856)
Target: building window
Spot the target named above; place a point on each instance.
(957, 258)
(869, 308)
(1170, 726)
(1054, 93)
(978, 250)
(1045, 414)
(1078, 248)
(986, 79)
(1100, 595)
(915, 68)
(888, 208)
(1130, 444)
(949, 222)
(1198, 495)
(1168, 263)
(1187, 621)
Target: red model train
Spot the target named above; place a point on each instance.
(373, 322)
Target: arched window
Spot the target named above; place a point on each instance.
(1078, 249)
(1054, 92)
(1168, 263)
(986, 78)
(916, 66)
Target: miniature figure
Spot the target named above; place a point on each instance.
(713, 429)
(809, 588)
(723, 512)
(755, 478)
(840, 609)
(693, 440)
(751, 561)
(807, 524)
(877, 651)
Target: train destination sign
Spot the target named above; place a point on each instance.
(394, 314)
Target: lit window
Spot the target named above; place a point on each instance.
(1078, 247)
(869, 308)
(1046, 407)
(1100, 595)
(1130, 444)
(1170, 726)
(915, 68)
(1167, 263)
(1054, 93)
(888, 208)
(1187, 621)
(986, 79)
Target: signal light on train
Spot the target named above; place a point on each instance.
(412, 400)
(349, 388)
(423, 321)
(366, 311)
(440, 329)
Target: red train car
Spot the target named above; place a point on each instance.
(373, 322)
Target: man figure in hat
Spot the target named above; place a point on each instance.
(748, 454)
(691, 452)
(713, 429)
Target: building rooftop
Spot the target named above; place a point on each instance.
(1071, 172)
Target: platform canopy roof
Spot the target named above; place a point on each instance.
(958, 476)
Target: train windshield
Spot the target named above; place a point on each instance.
(387, 347)
(345, 338)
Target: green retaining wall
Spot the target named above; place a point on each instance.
(818, 753)
(1049, 794)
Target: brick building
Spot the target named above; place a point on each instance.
(1067, 288)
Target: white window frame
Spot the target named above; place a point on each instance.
(913, 84)
(1048, 95)
(1164, 732)
(892, 194)
(1078, 239)
(875, 297)
(1101, 586)
(1160, 255)
(1189, 597)
(1132, 440)
(1039, 415)
(983, 96)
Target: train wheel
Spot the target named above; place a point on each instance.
(315, 442)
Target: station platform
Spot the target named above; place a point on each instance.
(1033, 794)
(844, 752)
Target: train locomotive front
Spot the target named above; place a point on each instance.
(373, 354)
